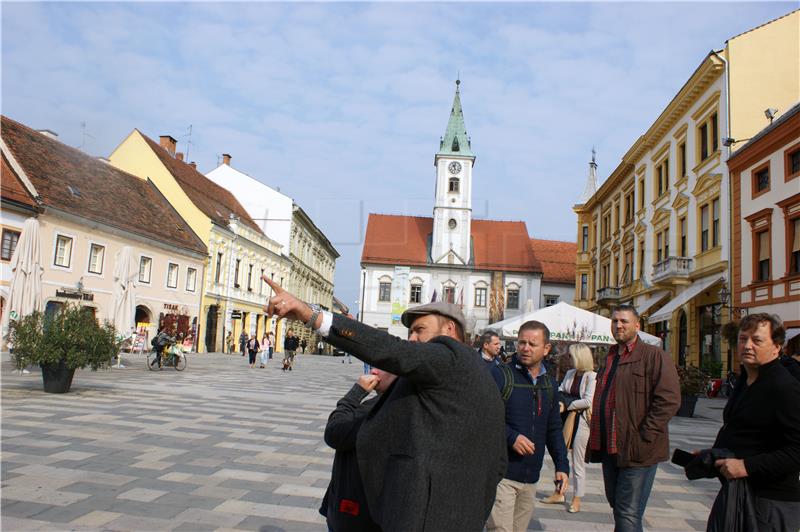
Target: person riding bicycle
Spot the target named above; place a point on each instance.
(160, 342)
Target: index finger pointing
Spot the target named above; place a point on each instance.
(272, 284)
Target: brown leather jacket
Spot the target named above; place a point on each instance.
(648, 395)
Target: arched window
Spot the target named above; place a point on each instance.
(454, 184)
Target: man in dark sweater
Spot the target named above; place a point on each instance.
(762, 426)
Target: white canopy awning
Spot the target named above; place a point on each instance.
(647, 303)
(684, 297)
(567, 324)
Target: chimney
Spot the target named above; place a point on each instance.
(193, 165)
(168, 143)
(179, 156)
(226, 158)
(49, 134)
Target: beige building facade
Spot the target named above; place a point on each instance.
(656, 233)
(313, 269)
(88, 211)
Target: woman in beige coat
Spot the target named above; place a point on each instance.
(578, 382)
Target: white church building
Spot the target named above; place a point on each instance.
(492, 269)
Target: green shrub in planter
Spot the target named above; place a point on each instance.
(692, 380)
(69, 340)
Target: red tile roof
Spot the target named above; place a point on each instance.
(557, 259)
(71, 181)
(403, 241)
(215, 201)
(11, 188)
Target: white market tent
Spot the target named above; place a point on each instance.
(567, 324)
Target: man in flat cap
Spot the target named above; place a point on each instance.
(432, 450)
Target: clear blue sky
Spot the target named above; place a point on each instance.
(342, 105)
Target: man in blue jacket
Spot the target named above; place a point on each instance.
(533, 421)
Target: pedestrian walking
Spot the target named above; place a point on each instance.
(290, 344)
(347, 356)
(303, 345)
(266, 349)
(252, 350)
(243, 342)
(637, 393)
(533, 422)
(577, 393)
(229, 343)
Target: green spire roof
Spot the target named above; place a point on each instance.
(455, 140)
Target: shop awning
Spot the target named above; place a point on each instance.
(684, 297)
(649, 301)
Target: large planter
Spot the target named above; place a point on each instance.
(688, 402)
(57, 378)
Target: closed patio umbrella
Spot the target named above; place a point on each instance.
(124, 292)
(25, 292)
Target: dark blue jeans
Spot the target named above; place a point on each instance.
(627, 491)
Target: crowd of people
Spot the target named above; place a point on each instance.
(455, 440)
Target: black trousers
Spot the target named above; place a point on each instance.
(777, 516)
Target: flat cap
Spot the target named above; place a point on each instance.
(448, 310)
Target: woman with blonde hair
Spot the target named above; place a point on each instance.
(577, 391)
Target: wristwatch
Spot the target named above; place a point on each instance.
(315, 312)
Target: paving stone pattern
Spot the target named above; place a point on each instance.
(221, 446)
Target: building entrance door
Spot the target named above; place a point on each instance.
(211, 329)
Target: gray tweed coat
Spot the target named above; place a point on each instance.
(433, 449)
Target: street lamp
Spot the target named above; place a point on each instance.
(736, 313)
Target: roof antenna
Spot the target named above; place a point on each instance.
(189, 142)
(84, 134)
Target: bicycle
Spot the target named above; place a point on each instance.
(171, 355)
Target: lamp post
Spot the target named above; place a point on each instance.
(734, 313)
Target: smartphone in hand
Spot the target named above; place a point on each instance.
(682, 458)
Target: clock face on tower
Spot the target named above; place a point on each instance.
(454, 167)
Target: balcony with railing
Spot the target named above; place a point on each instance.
(608, 294)
(672, 269)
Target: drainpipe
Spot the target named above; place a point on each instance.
(363, 288)
(731, 221)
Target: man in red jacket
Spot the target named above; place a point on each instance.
(637, 394)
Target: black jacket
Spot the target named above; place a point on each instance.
(344, 504)
(762, 426)
(433, 443)
(290, 344)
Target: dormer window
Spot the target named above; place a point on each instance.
(453, 184)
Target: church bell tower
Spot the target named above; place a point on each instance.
(452, 209)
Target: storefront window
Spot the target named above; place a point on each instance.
(661, 329)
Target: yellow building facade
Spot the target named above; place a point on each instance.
(233, 294)
(657, 233)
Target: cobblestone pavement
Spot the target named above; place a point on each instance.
(224, 447)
